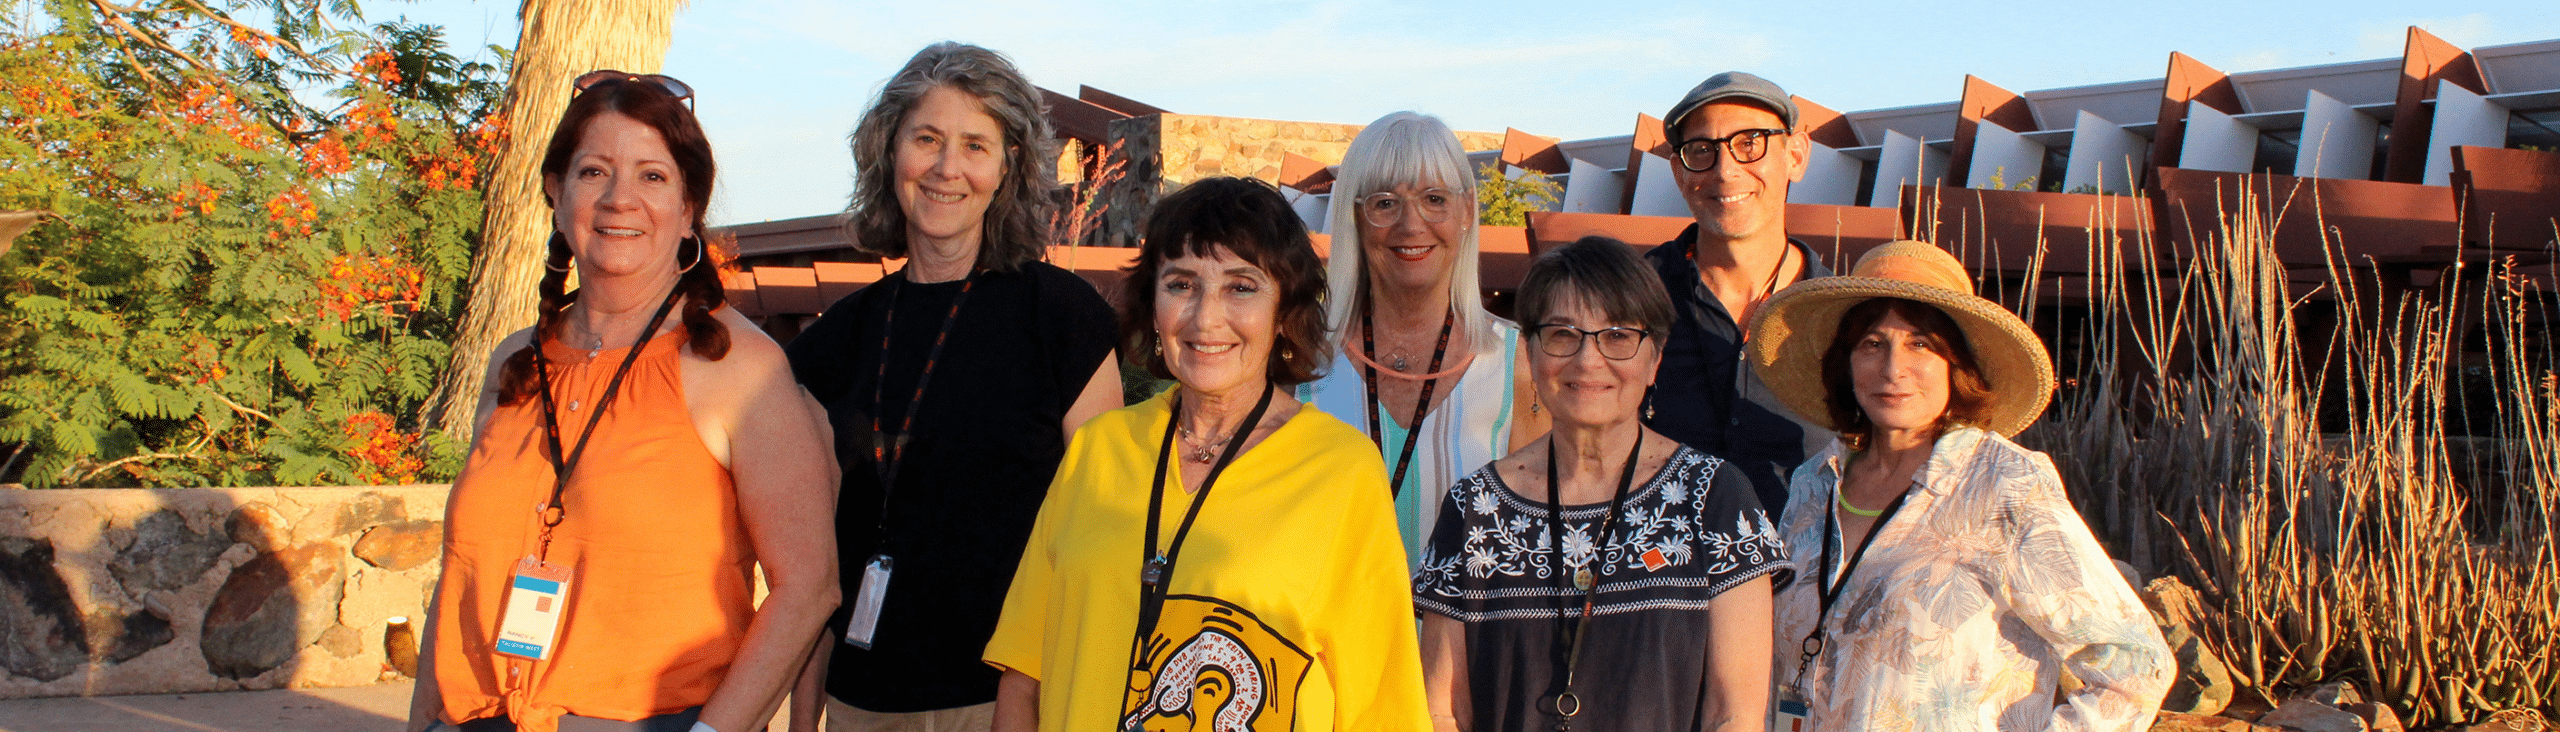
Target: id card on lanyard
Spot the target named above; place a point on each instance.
(538, 593)
(536, 599)
(887, 452)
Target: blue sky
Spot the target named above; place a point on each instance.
(781, 81)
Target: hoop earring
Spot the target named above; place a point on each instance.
(563, 269)
(698, 253)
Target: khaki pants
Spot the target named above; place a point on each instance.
(842, 717)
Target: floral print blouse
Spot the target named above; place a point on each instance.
(1973, 599)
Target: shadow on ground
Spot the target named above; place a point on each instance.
(358, 709)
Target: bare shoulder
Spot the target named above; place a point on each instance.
(749, 347)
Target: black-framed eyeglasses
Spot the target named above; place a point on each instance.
(1699, 155)
(1386, 208)
(1564, 341)
(668, 84)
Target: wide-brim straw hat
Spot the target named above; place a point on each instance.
(1794, 327)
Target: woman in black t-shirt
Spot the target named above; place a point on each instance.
(1604, 577)
(952, 385)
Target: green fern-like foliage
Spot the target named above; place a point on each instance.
(238, 287)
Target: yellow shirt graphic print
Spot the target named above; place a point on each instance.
(1229, 673)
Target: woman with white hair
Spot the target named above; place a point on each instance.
(1434, 380)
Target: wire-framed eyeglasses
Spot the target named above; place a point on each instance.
(1700, 155)
(1386, 208)
(1564, 341)
(669, 84)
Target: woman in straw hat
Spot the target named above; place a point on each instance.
(1948, 581)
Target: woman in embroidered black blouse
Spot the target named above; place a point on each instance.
(1652, 611)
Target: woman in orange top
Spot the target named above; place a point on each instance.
(633, 469)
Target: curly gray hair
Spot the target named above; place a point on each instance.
(1017, 221)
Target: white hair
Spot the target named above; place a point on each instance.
(1402, 149)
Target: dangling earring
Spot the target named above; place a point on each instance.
(698, 253)
(1648, 405)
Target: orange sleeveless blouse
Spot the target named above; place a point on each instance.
(663, 590)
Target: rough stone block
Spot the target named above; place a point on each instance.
(270, 607)
(259, 525)
(162, 553)
(367, 509)
(2304, 715)
(401, 545)
(41, 635)
(128, 635)
(2377, 717)
(342, 641)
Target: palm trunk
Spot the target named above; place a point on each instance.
(560, 40)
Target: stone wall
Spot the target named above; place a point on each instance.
(117, 591)
(1168, 150)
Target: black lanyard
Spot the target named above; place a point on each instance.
(1422, 406)
(888, 451)
(1564, 703)
(1155, 575)
(562, 464)
(1830, 589)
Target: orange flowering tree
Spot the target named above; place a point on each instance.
(261, 236)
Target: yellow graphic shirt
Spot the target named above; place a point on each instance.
(1288, 608)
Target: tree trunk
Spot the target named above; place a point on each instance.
(559, 40)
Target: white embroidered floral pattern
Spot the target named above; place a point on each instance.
(1664, 526)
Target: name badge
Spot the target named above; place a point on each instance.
(534, 607)
(866, 602)
(1788, 715)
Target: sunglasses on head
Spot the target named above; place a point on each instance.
(665, 83)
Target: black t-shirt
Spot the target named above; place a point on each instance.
(977, 463)
(1708, 396)
(1684, 537)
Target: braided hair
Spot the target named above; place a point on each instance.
(698, 284)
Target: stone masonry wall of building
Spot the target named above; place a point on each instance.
(125, 591)
(1165, 151)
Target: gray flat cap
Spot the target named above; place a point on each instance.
(1731, 86)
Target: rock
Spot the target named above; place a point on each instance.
(2203, 684)
(41, 636)
(127, 635)
(2511, 720)
(2304, 715)
(2377, 717)
(402, 545)
(164, 554)
(370, 509)
(2182, 722)
(272, 605)
(342, 641)
(258, 525)
(2335, 694)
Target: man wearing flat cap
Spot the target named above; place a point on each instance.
(1735, 149)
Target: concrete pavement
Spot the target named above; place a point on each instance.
(378, 708)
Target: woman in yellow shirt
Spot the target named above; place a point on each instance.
(1215, 557)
